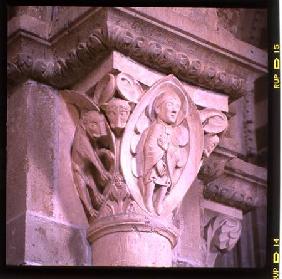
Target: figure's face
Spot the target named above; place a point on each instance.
(118, 114)
(169, 109)
(95, 125)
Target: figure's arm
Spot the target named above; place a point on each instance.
(87, 152)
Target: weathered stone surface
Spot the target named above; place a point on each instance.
(42, 150)
(189, 20)
(167, 53)
(188, 251)
(64, 165)
(248, 171)
(17, 163)
(132, 249)
(66, 203)
(15, 240)
(146, 139)
(52, 243)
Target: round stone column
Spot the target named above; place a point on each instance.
(132, 240)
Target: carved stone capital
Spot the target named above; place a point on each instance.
(221, 233)
(242, 185)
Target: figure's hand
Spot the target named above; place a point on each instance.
(163, 142)
(161, 168)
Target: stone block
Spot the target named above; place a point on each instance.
(17, 163)
(42, 147)
(52, 243)
(67, 206)
(189, 245)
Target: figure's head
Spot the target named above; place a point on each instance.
(94, 124)
(117, 112)
(167, 106)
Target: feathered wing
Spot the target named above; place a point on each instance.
(139, 137)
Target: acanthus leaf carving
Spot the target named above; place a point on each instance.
(220, 235)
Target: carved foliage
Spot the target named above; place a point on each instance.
(117, 198)
(156, 152)
(220, 234)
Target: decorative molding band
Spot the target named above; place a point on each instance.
(234, 192)
(129, 223)
(166, 59)
(249, 125)
(234, 182)
(63, 72)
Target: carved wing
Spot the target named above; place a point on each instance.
(189, 138)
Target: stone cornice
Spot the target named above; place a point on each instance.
(206, 34)
(234, 182)
(144, 41)
(61, 72)
(241, 185)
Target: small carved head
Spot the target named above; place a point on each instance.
(167, 106)
(117, 112)
(94, 124)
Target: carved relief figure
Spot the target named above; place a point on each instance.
(161, 152)
(89, 161)
(162, 146)
(117, 112)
